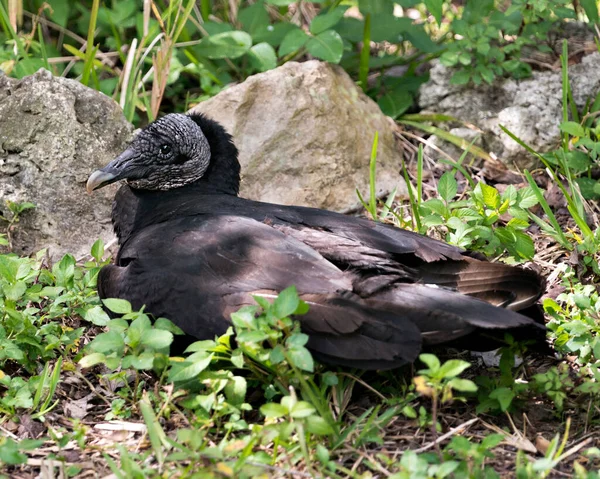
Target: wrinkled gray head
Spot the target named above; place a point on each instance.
(169, 153)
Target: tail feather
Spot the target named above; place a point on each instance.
(499, 284)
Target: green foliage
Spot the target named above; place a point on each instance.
(573, 319)
(486, 221)
(492, 40)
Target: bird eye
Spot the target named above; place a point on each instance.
(165, 149)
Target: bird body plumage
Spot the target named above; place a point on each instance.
(377, 294)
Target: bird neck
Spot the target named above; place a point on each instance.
(223, 173)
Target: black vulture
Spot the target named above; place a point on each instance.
(192, 251)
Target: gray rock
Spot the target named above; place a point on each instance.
(305, 131)
(53, 133)
(531, 108)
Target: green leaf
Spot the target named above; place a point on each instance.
(107, 342)
(578, 161)
(235, 391)
(460, 77)
(524, 245)
(572, 128)
(251, 337)
(463, 385)
(293, 42)
(254, 17)
(326, 46)
(192, 370)
(301, 358)
(325, 21)
(14, 292)
(526, 198)
(491, 441)
(318, 425)
(273, 410)
(376, 6)
(96, 315)
(263, 57)
(230, 45)
(297, 340)
(504, 396)
(237, 359)
(395, 102)
(281, 3)
(144, 361)
(91, 360)
(301, 409)
(245, 318)
(119, 306)
(435, 8)
(277, 354)
(286, 303)
(491, 197)
(447, 186)
(431, 361)
(591, 10)
(10, 454)
(156, 338)
(452, 368)
(98, 250)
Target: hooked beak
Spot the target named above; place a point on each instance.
(118, 169)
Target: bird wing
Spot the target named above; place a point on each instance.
(197, 270)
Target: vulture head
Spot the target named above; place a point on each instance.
(174, 151)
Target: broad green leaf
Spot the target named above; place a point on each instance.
(302, 409)
(245, 318)
(301, 358)
(281, 3)
(318, 425)
(156, 338)
(435, 8)
(192, 370)
(463, 385)
(236, 390)
(107, 342)
(273, 410)
(91, 360)
(167, 325)
(327, 20)
(263, 57)
(524, 245)
(452, 368)
(376, 6)
(526, 198)
(297, 340)
(504, 396)
(144, 361)
(447, 186)
(490, 195)
(572, 128)
(578, 161)
(96, 315)
(251, 337)
(395, 102)
(431, 361)
(591, 10)
(293, 42)
(230, 45)
(273, 34)
(14, 292)
(119, 306)
(254, 17)
(326, 46)
(286, 303)
(98, 250)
